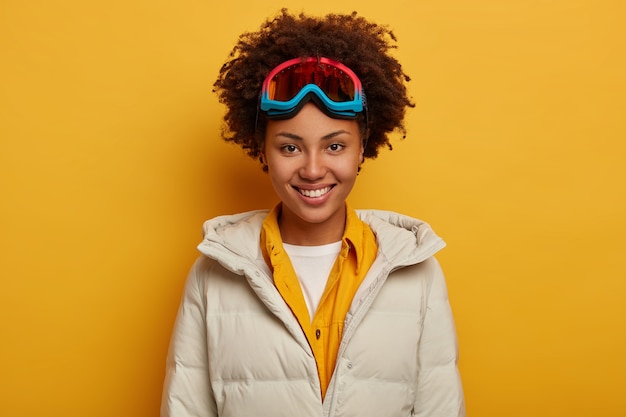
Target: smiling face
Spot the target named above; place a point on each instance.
(312, 162)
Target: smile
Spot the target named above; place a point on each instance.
(314, 193)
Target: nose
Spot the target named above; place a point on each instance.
(313, 167)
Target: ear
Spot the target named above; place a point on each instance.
(263, 161)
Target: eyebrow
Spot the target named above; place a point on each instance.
(325, 137)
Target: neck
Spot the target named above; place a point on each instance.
(295, 231)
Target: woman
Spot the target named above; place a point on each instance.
(312, 308)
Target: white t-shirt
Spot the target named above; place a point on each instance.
(313, 265)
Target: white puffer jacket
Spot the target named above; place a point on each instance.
(237, 350)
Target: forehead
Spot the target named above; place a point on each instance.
(312, 123)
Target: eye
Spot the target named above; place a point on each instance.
(289, 148)
(335, 147)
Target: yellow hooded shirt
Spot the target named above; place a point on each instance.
(324, 332)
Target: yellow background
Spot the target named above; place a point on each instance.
(110, 160)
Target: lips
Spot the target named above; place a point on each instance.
(315, 193)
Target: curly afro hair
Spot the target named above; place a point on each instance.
(361, 45)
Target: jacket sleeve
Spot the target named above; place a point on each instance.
(439, 390)
(187, 388)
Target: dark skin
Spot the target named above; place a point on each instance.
(313, 163)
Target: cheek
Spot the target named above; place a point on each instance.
(278, 172)
(350, 167)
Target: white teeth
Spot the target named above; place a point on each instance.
(314, 193)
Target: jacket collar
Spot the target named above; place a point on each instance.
(401, 239)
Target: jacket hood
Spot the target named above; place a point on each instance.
(403, 240)
(233, 240)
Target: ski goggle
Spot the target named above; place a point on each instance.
(334, 87)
